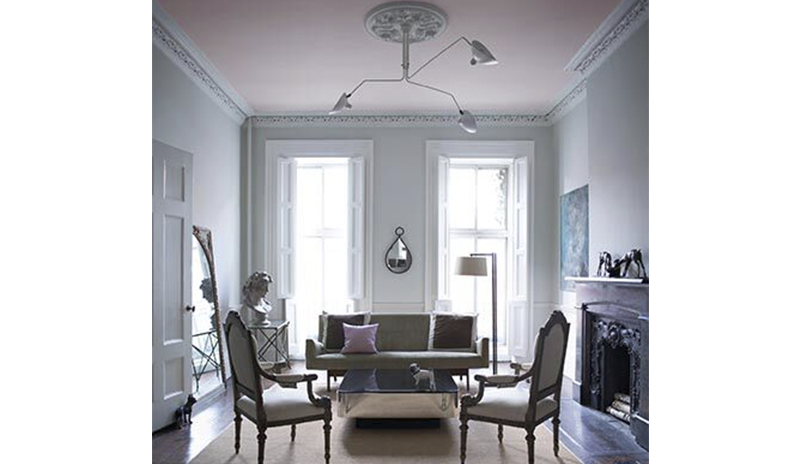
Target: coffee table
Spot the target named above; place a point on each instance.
(391, 397)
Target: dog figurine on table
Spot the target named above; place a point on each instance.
(421, 375)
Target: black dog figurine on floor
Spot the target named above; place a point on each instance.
(183, 415)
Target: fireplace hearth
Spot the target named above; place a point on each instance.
(612, 350)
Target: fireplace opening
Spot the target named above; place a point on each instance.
(616, 382)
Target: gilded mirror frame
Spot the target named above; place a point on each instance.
(203, 236)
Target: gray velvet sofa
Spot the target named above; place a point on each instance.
(402, 340)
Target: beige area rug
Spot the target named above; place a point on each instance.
(413, 446)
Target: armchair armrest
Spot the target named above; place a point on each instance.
(520, 367)
(500, 381)
(482, 348)
(314, 348)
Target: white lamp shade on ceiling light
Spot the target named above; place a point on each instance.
(471, 266)
(482, 55)
(467, 122)
(341, 104)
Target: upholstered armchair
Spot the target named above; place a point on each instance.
(523, 407)
(281, 405)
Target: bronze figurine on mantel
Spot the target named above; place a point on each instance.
(618, 268)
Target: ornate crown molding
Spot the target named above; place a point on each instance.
(574, 96)
(393, 120)
(170, 39)
(615, 29)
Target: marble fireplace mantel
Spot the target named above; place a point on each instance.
(621, 305)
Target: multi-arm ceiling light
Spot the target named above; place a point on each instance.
(407, 23)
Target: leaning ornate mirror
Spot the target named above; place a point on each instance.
(398, 256)
(208, 362)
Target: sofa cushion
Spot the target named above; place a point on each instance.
(333, 335)
(452, 332)
(398, 360)
(359, 338)
(403, 332)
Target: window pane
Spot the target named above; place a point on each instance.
(335, 197)
(462, 288)
(491, 198)
(484, 291)
(335, 275)
(308, 293)
(309, 200)
(462, 198)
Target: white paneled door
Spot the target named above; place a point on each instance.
(172, 317)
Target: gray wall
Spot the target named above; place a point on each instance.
(617, 100)
(603, 141)
(399, 194)
(186, 118)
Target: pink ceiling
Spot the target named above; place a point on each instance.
(298, 56)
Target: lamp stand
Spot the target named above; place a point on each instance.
(494, 307)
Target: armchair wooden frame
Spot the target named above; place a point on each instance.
(255, 391)
(537, 392)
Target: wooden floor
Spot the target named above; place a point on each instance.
(592, 436)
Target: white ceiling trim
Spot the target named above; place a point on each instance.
(626, 18)
(171, 39)
(615, 30)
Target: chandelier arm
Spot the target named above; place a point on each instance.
(399, 79)
(440, 54)
(437, 90)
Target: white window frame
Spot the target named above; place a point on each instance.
(343, 148)
(510, 149)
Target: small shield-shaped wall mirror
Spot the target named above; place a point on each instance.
(398, 256)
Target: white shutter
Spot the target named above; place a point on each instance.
(443, 231)
(518, 304)
(286, 220)
(355, 228)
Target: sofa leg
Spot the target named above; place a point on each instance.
(329, 381)
(467, 379)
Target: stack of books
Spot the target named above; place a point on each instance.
(621, 407)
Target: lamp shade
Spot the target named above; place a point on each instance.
(471, 266)
(482, 55)
(341, 104)
(467, 122)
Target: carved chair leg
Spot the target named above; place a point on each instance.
(327, 429)
(294, 431)
(530, 438)
(556, 423)
(464, 428)
(262, 439)
(500, 433)
(238, 426)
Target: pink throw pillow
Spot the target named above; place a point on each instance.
(360, 338)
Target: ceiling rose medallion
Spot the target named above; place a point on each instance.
(412, 22)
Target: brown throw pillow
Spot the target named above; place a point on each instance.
(452, 331)
(334, 332)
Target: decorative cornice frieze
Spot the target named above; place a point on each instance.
(615, 29)
(393, 120)
(170, 39)
(572, 98)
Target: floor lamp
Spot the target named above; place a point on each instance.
(475, 265)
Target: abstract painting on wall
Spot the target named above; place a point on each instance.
(574, 236)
